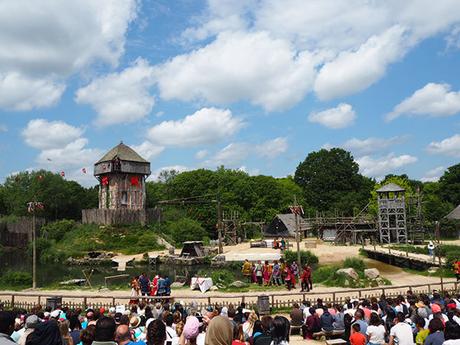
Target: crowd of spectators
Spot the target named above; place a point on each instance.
(404, 320)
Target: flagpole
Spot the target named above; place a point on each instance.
(297, 235)
(34, 251)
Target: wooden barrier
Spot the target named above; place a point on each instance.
(279, 300)
(119, 216)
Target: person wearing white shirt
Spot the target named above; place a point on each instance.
(375, 331)
(401, 332)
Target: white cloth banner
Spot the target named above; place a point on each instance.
(204, 284)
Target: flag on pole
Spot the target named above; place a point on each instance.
(105, 180)
(62, 173)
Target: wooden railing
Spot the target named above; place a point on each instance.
(27, 300)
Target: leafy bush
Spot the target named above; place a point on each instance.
(57, 230)
(185, 229)
(306, 257)
(323, 273)
(16, 278)
(222, 277)
(356, 263)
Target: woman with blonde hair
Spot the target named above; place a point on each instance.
(248, 326)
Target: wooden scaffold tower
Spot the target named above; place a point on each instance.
(392, 214)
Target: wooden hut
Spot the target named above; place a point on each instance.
(283, 225)
(121, 173)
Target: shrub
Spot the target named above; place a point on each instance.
(222, 277)
(57, 230)
(185, 229)
(323, 273)
(306, 257)
(356, 263)
(17, 278)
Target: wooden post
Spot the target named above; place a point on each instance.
(209, 300)
(84, 303)
(113, 301)
(39, 300)
(333, 297)
(12, 301)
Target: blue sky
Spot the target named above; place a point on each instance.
(253, 84)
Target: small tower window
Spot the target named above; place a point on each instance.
(124, 198)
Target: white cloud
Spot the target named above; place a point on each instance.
(433, 175)
(432, 99)
(449, 146)
(147, 150)
(379, 167)
(272, 148)
(351, 43)
(339, 117)
(231, 155)
(44, 42)
(201, 154)
(120, 97)
(354, 71)
(43, 134)
(239, 66)
(62, 148)
(371, 144)
(205, 126)
(234, 153)
(20, 92)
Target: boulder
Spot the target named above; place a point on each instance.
(349, 273)
(238, 284)
(177, 284)
(372, 273)
(214, 288)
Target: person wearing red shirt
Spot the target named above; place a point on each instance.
(357, 338)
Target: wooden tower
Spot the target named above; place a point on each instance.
(392, 214)
(121, 174)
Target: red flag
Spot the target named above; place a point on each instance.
(62, 173)
(134, 181)
(105, 180)
(83, 170)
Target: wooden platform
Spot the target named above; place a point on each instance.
(401, 259)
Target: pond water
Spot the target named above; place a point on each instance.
(51, 274)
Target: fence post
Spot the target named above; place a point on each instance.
(333, 297)
(209, 300)
(113, 301)
(12, 301)
(39, 300)
(359, 293)
(84, 303)
(273, 300)
(429, 288)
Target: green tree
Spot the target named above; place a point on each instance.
(449, 185)
(61, 198)
(330, 180)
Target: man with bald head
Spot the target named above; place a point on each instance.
(123, 336)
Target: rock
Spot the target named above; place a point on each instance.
(349, 272)
(214, 288)
(372, 273)
(177, 285)
(238, 284)
(433, 269)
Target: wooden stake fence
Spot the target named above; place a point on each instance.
(278, 300)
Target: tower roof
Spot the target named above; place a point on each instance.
(390, 187)
(122, 152)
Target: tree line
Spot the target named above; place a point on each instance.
(326, 182)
